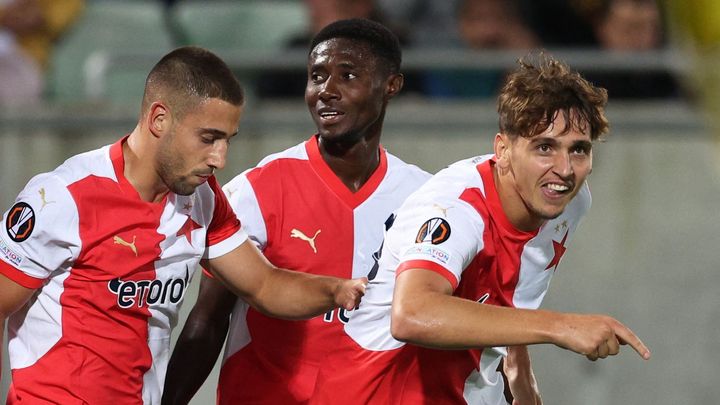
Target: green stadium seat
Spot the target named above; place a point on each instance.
(235, 26)
(107, 30)
(246, 25)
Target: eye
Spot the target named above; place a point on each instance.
(544, 147)
(581, 150)
(316, 77)
(207, 140)
(349, 75)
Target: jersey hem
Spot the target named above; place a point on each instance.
(19, 277)
(428, 265)
(227, 245)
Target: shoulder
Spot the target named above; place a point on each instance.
(297, 152)
(452, 181)
(398, 167)
(270, 166)
(403, 178)
(93, 163)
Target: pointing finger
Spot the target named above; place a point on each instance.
(626, 336)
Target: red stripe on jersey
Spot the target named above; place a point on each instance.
(295, 197)
(19, 277)
(336, 185)
(496, 269)
(367, 369)
(224, 223)
(428, 265)
(103, 352)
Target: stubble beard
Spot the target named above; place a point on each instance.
(168, 165)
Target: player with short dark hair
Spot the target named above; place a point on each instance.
(470, 256)
(96, 255)
(320, 207)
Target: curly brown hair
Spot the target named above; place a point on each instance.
(539, 90)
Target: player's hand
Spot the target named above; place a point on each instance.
(520, 377)
(598, 336)
(349, 292)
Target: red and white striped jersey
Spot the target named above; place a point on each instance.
(455, 226)
(302, 217)
(110, 271)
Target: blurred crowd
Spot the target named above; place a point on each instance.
(29, 29)
(612, 25)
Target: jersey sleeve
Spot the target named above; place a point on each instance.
(224, 232)
(244, 202)
(439, 234)
(40, 234)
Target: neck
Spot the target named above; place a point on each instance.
(139, 157)
(512, 204)
(352, 163)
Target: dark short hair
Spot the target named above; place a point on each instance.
(382, 42)
(190, 73)
(542, 87)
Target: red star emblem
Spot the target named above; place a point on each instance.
(187, 229)
(559, 252)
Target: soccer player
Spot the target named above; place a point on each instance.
(469, 258)
(96, 256)
(320, 207)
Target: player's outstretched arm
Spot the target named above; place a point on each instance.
(425, 313)
(199, 343)
(12, 298)
(283, 293)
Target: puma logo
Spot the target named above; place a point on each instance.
(119, 241)
(442, 209)
(298, 234)
(42, 197)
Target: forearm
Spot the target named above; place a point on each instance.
(443, 321)
(194, 356)
(293, 295)
(519, 377)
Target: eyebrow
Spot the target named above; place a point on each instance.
(217, 133)
(584, 144)
(551, 140)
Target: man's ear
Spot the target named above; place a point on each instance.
(394, 85)
(501, 147)
(158, 119)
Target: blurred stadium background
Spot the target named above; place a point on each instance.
(647, 254)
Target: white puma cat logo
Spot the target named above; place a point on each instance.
(42, 197)
(294, 233)
(442, 209)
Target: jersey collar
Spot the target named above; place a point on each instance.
(118, 161)
(493, 202)
(353, 200)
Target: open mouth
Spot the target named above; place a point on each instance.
(556, 189)
(329, 116)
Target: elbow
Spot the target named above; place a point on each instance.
(404, 323)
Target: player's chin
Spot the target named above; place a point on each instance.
(186, 187)
(550, 211)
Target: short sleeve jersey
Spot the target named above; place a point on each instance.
(454, 226)
(110, 271)
(304, 218)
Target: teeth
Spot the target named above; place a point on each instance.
(557, 187)
(328, 114)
